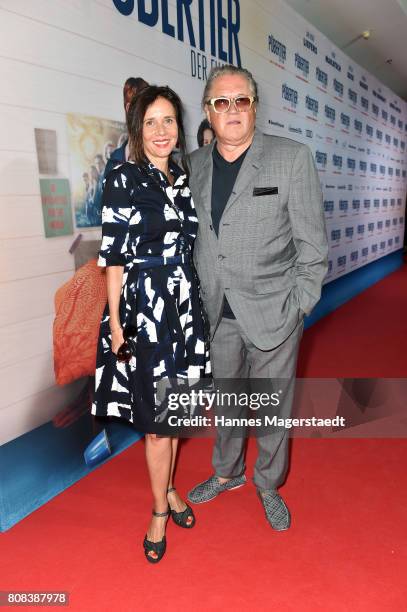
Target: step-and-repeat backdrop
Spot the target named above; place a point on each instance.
(63, 65)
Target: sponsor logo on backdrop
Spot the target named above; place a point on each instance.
(312, 105)
(322, 79)
(276, 123)
(378, 94)
(355, 206)
(335, 237)
(338, 88)
(321, 159)
(309, 42)
(331, 60)
(358, 126)
(363, 83)
(330, 115)
(290, 95)
(361, 231)
(349, 233)
(394, 106)
(329, 208)
(343, 207)
(337, 163)
(302, 65)
(278, 49)
(345, 122)
(352, 97)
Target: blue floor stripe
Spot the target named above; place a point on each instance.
(37, 466)
(343, 289)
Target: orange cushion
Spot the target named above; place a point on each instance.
(79, 306)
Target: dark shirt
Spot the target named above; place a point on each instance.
(223, 180)
(118, 156)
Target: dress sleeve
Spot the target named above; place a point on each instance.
(116, 212)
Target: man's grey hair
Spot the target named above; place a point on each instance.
(219, 71)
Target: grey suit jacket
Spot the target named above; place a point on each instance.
(270, 257)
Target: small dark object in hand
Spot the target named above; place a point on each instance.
(127, 349)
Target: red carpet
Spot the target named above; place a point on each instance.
(366, 337)
(346, 549)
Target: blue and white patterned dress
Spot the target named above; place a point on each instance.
(160, 293)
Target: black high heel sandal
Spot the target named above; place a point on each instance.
(157, 547)
(181, 518)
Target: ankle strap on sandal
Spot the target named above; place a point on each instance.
(161, 513)
(171, 489)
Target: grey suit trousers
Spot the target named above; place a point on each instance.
(234, 356)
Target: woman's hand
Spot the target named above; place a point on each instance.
(117, 339)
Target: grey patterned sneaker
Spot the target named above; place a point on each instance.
(277, 513)
(211, 488)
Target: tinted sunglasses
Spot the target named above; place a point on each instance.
(242, 104)
(126, 350)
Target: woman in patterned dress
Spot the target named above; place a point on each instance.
(149, 226)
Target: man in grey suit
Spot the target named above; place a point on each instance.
(261, 256)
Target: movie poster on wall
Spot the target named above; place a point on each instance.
(56, 207)
(91, 142)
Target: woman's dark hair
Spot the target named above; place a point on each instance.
(135, 117)
(204, 125)
(131, 87)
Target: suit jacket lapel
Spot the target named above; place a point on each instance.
(249, 168)
(204, 179)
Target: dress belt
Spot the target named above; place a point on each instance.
(152, 261)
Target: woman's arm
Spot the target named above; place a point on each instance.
(116, 214)
(114, 278)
